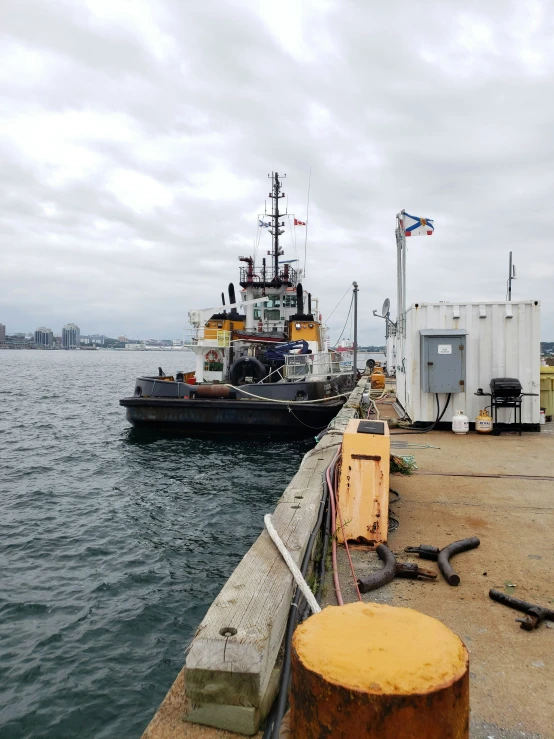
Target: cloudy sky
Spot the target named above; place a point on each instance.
(136, 137)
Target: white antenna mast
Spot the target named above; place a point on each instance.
(511, 276)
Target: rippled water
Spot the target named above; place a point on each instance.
(112, 545)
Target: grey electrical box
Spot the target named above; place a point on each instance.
(443, 360)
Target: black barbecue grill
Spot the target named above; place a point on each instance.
(506, 392)
(505, 387)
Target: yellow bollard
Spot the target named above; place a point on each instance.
(373, 671)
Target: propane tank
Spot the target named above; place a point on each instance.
(483, 422)
(460, 423)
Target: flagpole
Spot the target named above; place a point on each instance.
(400, 272)
(403, 282)
(307, 213)
(355, 358)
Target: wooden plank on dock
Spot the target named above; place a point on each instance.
(234, 651)
(230, 664)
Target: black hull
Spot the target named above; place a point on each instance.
(212, 416)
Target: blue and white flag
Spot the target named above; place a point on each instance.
(264, 225)
(414, 226)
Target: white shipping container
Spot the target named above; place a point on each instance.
(503, 340)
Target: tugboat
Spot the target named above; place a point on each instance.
(261, 363)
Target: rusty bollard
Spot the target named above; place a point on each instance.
(373, 671)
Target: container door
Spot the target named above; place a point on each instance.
(444, 364)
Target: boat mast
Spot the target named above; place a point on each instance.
(276, 228)
(270, 277)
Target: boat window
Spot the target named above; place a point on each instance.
(257, 314)
(289, 301)
(274, 301)
(272, 315)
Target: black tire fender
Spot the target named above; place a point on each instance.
(246, 367)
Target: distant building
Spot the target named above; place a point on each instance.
(122, 339)
(2, 332)
(44, 338)
(97, 339)
(135, 347)
(71, 336)
(18, 341)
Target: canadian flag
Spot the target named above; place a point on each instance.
(299, 223)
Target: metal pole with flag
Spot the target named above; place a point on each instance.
(407, 226)
(400, 267)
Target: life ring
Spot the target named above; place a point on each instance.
(212, 356)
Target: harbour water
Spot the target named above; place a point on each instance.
(113, 545)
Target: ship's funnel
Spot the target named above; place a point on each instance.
(232, 293)
(223, 298)
(310, 303)
(299, 299)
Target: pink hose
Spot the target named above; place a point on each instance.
(334, 510)
(347, 547)
(334, 529)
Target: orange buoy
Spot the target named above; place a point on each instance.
(373, 671)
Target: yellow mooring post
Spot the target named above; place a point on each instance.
(373, 671)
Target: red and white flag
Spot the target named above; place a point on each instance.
(299, 223)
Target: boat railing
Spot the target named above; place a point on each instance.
(208, 336)
(263, 276)
(320, 364)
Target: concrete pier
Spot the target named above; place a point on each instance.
(511, 510)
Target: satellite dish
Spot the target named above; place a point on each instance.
(386, 308)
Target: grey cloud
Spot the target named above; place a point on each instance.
(391, 107)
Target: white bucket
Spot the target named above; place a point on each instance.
(543, 416)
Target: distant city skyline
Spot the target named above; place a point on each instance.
(98, 338)
(9, 330)
(70, 337)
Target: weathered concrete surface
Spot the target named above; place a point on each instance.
(512, 671)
